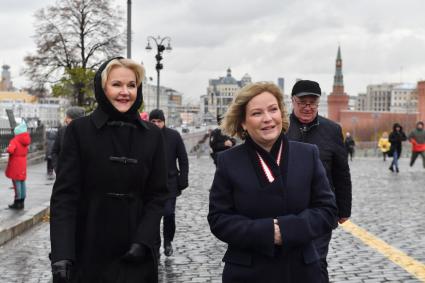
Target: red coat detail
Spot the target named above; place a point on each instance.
(417, 147)
(18, 151)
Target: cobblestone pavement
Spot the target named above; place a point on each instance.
(389, 205)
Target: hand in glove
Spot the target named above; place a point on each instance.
(136, 253)
(62, 271)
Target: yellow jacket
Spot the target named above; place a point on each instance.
(384, 145)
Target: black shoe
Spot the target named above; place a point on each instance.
(396, 169)
(15, 205)
(391, 169)
(21, 204)
(168, 249)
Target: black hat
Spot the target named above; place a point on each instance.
(75, 112)
(306, 87)
(156, 114)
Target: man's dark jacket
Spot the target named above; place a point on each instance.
(57, 147)
(175, 150)
(217, 140)
(327, 135)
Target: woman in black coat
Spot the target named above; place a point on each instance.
(108, 197)
(397, 136)
(270, 197)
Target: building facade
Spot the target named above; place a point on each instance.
(220, 93)
(6, 81)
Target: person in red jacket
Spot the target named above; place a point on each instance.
(17, 164)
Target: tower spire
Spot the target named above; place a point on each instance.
(338, 87)
(338, 99)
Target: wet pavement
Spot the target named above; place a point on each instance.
(388, 205)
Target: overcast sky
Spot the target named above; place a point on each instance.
(381, 40)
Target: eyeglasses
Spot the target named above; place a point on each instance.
(304, 104)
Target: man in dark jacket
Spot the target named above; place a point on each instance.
(349, 144)
(219, 141)
(177, 177)
(71, 114)
(50, 140)
(307, 126)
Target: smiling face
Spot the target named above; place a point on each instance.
(305, 108)
(121, 88)
(263, 120)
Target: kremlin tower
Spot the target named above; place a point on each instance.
(338, 99)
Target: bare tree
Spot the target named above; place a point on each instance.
(74, 34)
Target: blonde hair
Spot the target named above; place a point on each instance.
(138, 69)
(235, 115)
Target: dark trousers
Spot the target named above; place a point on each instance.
(49, 166)
(415, 155)
(322, 246)
(169, 223)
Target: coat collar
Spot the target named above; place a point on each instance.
(99, 118)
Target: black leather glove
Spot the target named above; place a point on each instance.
(62, 271)
(136, 253)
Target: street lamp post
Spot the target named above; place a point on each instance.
(159, 42)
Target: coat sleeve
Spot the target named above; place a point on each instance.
(316, 220)
(183, 179)
(11, 147)
(154, 195)
(231, 227)
(65, 199)
(341, 177)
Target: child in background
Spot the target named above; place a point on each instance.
(17, 164)
(384, 145)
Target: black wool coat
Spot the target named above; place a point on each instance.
(242, 210)
(106, 197)
(176, 153)
(327, 135)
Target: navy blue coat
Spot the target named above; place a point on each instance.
(241, 213)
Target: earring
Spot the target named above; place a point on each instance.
(244, 134)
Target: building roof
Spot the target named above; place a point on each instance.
(18, 95)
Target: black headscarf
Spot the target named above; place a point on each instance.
(105, 105)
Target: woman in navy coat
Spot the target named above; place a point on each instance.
(270, 197)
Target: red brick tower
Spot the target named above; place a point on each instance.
(338, 99)
(421, 101)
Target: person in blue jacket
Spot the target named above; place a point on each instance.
(270, 197)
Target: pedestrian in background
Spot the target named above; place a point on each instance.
(417, 138)
(71, 114)
(110, 189)
(270, 197)
(50, 140)
(397, 136)
(17, 164)
(219, 141)
(306, 125)
(349, 145)
(384, 145)
(177, 177)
